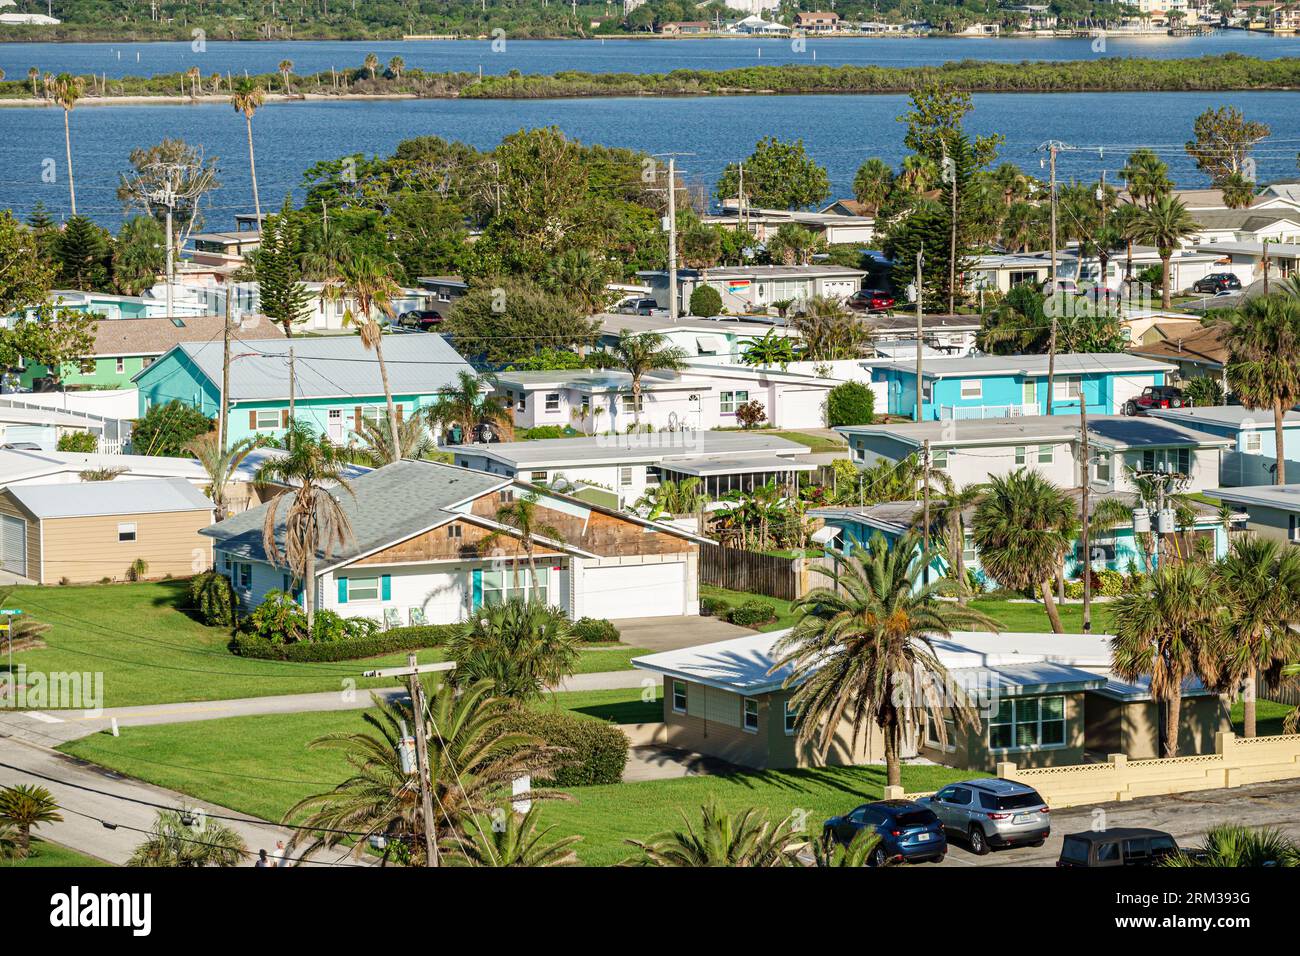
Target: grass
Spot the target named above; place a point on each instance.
(784, 616)
(45, 854)
(149, 651)
(818, 443)
(1269, 716)
(1014, 616)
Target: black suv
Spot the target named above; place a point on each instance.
(421, 319)
(1122, 846)
(1217, 282)
(1157, 396)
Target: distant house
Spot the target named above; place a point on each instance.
(952, 334)
(756, 289)
(324, 313)
(685, 27)
(832, 225)
(416, 553)
(818, 21)
(99, 529)
(1245, 259)
(1251, 457)
(108, 306)
(336, 382)
(1001, 386)
(1245, 225)
(850, 207)
(713, 341)
(1194, 349)
(443, 290)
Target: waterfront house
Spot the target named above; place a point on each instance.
(1000, 386)
(817, 21)
(416, 553)
(1251, 456)
(336, 381)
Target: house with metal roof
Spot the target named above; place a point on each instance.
(426, 547)
(1037, 700)
(336, 381)
(1273, 511)
(1251, 455)
(93, 530)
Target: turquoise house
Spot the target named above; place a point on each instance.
(1009, 386)
(336, 379)
(1252, 459)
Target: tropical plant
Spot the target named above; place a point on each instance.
(507, 838)
(1204, 390)
(247, 98)
(189, 839)
(850, 403)
(641, 354)
(468, 404)
(285, 68)
(522, 647)
(381, 448)
(313, 472)
(1147, 177)
(1235, 846)
(1165, 633)
(949, 513)
(67, 90)
(771, 349)
(673, 498)
(26, 807)
(520, 520)
(220, 465)
(860, 651)
(746, 838)
(367, 283)
(472, 762)
(863, 850)
(828, 330)
(757, 515)
(1164, 224)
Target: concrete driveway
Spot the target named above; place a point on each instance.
(657, 762)
(670, 633)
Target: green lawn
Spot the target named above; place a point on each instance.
(1032, 617)
(45, 854)
(784, 616)
(1268, 717)
(818, 443)
(149, 651)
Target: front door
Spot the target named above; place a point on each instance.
(336, 426)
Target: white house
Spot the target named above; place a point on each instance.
(324, 313)
(758, 288)
(713, 342)
(1245, 225)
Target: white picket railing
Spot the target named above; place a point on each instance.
(963, 412)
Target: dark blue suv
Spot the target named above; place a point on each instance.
(907, 831)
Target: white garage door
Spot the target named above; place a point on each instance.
(642, 590)
(13, 545)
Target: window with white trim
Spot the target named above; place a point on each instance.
(1027, 723)
(245, 575)
(1252, 443)
(1293, 529)
(630, 403)
(363, 589)
(1046, 454)
(268, 418)
(972, 388)
(552, 401)
(625, 476)
(126, 531)
(1103, 467)
(939, 459)
(730, 401)
(791, 718)
(751, 715)
(121, 365)
(1020, 455)
(679, 696)
(1066, 389)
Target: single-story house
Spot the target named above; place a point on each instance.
(970, 452)
(323, 314)
(1244, 225)
(712, 341)
(704, 397)
(416, 552)
(626, 466)
(336, 381)
(1251, 458)
(757, 288)
(952, 334)
(42, 426)
(1245, 259)
(442, 290)
(1001, 386)
(1194, 349)
(1040, 699)
(153, 304)
(1273, 511)
(98, 529)
(1003, 271)
(835, 226)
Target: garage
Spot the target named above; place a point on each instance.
(634, 590)
(13, 545)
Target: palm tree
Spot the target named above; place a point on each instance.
(642, 353)
(25, 807)
(1165, 633)
(67, 89)
(1238, 191)
(381, 448)
(771, 349)
(1234, 846)
(581, 275)
(194, 75)
(1127, 223)
(396, 65)
(520, 515)
(314, 519)
(1022, 529)
(746, 838)
(248, 98)
(371, 64)
(176, 842)
(507, 838)
(1147, 177)
(1263, 341)
(1164, 224)
(472, 759)
(33, 74)
(468, 405)
(863, 850)
(1260, 582)
(368, 282)
(285, 68)
(220, 464)
(853, 640)
(949, 513)
(522, 647)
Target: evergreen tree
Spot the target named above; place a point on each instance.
(283, 297)
(81, 255)
(926, 231)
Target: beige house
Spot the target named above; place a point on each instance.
(98, 529)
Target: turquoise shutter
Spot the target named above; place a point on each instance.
(343, 590)
(478, 589)
(386, 587)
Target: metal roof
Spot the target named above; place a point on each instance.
(1230, 416)
(972, 366)
(1014, 680)
(1282, 497)
(661, 446)
(702, 467)
(1113, 431)
(95, 498)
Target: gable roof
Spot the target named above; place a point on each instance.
(1185, 342)
(336, 366)
(99, 498)
(115, 337)
(1248, 220)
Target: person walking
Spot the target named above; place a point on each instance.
(261, 859)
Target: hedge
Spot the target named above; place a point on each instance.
(753, 613)
(597, 751)
(595, 630)
(705, 301)
(850, 403)
(386, 642)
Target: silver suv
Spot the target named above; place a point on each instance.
(992, 812)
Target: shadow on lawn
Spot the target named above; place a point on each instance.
(625, 712)
(850, 780)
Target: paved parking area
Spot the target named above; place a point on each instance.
(671, 633)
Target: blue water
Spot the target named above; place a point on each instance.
(839, 131)
(635, 56)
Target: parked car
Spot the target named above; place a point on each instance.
(1124, 846)
(1061, 285)
(907, 831)
(870, 300)
(992, 812)
(641, 306)
(1217, 282)
(1157, 396)
(421, 319)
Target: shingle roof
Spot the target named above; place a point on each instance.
(95, 498)
(156, 336)
(1249, 220)
(1185, 342)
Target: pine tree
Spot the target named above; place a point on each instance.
(40, 219)
(283, 297)
(81, 254)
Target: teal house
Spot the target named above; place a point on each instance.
(1010, 386)
(337, 384)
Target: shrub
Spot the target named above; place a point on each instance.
(714, 607)
(167, 429)
(595, 630)
(851, 403)
(751, 414)
(379, 642)
(1112, 583)
(753, 613)
(706, 300)
(279, 619)
(213, 599)
(596, 751)
(1204, 390)
(78, 441)
(138, 570)
(547, 431)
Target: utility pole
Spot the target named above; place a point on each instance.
(171, 269)
(1086, 468)
(919, 332)
(1052, 148)
(672, 239)
(412, 672)
(291, 394)
(223, 425)
(925, 491)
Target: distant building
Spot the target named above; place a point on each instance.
(685, 27)
(817, 22)
(749, 289)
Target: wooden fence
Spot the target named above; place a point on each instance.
(739, 570)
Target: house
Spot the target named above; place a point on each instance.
(850, 207)
(222, 252)
(755, 25)
(703, 397)
(108, 306)
(1273, 511)
(818, 21)
(1186, 266)
(953, 334)
(758, 288)
(442, 290)
(685, 27)
(1251, 457)
(971, 452)
(99, 529)
(627, 466)
(1040, 699)
(1195, 350)
(1246, 259)
(324, 313)
(124, 347)
(713, 341)
(836, 227)
(1000, 386)
(1003, 271)
(1244, 225)
(336, 382)
(417, 552)
(42, 426)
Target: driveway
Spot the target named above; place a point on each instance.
(670, 633)
(655, 762)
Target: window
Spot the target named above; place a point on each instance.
(372, 414)
(126, 531)
(751, 714)
(1103, 468)
(121, 365)
(1251, 443)
(1045, 454)
(791, 718)
(1029, 393)
(1066, 389)
(267, 418)
(970, 555)
(927, 391)
(552, 401)
(730, 401)
(537, 476)
(679, 696)
(1168, 460)
(1027, 723)
(972, 389)
(454, 532)
(363, 589)
(500, 586)
(625, 476)
(949, 730)
(630, 404)
(1107, 852)
(245, 576)
(1136, 851)
(1020, 455)
(939, 459)
(225, 559)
